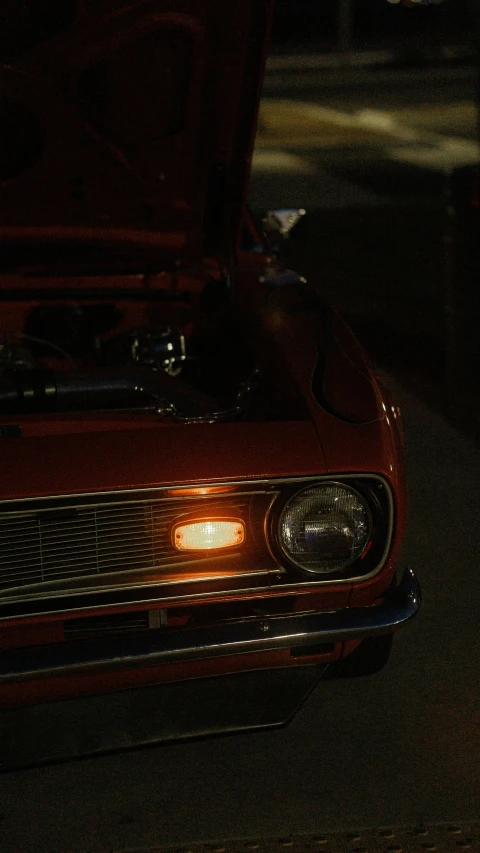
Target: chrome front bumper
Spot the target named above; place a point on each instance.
(236, 637)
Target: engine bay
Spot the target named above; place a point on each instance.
(136, 344)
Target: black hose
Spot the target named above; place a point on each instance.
(28, 391)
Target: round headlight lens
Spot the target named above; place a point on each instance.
(325, 528)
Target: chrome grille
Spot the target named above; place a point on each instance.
(85, 545)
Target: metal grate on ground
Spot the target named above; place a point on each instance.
(445, 838)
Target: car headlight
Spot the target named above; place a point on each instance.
(325, 528)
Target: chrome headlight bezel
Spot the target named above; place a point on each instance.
(376, 497)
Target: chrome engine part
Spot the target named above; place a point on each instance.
(160, 348)
(14, 356)
(183, 365)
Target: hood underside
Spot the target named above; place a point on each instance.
(128, 123)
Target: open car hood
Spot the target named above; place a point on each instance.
(128, 123)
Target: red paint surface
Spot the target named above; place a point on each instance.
(164, 455)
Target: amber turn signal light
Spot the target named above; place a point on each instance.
(208, 535)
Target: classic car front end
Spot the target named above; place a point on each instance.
(202, 481)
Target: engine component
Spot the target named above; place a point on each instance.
(15, 357)
(74, 328)
(23, 391)
(160, 348)
(237, 410)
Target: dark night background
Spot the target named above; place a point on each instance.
(307, 21)
(391, 232)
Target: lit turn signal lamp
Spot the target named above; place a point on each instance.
(208, 535)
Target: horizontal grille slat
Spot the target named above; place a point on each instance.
(60, 556)
(74, 543)
(52, 544)
(120, 563)
(64, 540)
(81, 524)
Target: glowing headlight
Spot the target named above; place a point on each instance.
(325, 528)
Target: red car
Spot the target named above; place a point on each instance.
(202, 487)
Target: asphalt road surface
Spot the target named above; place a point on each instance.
(398, 749)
